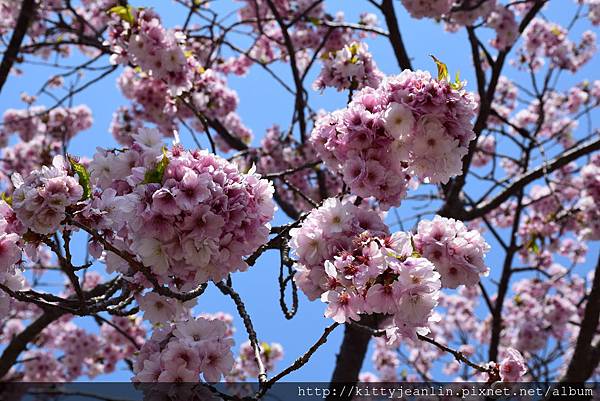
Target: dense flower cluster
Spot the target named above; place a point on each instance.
(189, 216)
(456, 251)
(10, 255)
(150, 102)
(544, 39)
(503, 21)
(144, 42)
(41, 199)
(60, 123)
(24, 157)
(347, 258)
(467, 12)
(183, 351)
(456, 14)
(593, 10)
(541, 309)
(327, 231)
(410, 127)
(153, 102)
(349, 68)
(66, 351)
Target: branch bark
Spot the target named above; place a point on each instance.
(527, 178)
(586, 357)
(387, 8)
(10, 55)
(19, 343)
(353, 350)
(455, 186)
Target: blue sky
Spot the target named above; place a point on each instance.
(263, 103)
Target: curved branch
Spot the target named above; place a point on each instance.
(19, 343)
(527, 178)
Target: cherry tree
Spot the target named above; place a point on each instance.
(389, 204)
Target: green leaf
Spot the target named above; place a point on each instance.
(442, 69)
(315, 21)
(7, 199)
(533, 246)
(518, 300)
(84, 177)
(156, 175)
(457, 84)
(124, 12)
(266, 348)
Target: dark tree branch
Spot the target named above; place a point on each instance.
(387, 8)
(289, 44)
(10, 55)
(521, 182)
(455, 186)
(20, 342)
(585, 357)
(353, 349)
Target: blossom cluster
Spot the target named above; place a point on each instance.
(245, 364)
(427, 9)
(59, 123)
(456, 251)
(10, 255)
(348, 260)
(512, 367)
(542, 309)
(456, 14)
(589, 203)
(544, 39)
(66, 351)
(188, 216)
(324, 233)
(183, 351)
(153, 102)
(593, 10)
(412, 127)
(503, 21)
(41, 199)
(349, 68)
(311, 33)
(150, 102)
(144, 42)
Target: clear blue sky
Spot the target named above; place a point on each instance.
(263, 103)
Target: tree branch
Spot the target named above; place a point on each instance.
(10, 55)
(387, 8)
(527, 178)
(353, 349)
(585, 357)
(19, 343)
